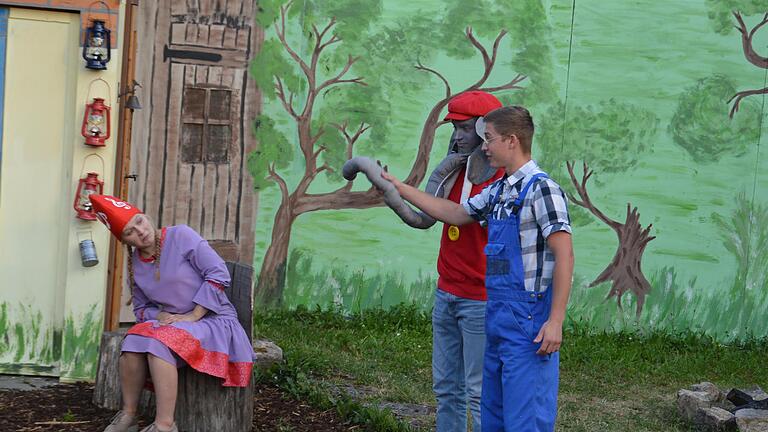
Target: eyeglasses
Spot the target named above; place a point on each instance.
(487, 141)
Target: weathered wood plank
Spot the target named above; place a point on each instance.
(234, 7)
(248, 8)
(221, 200)
(230, 38)
(243, 38)
(173, 156)
(228, 79)
(193, 6)
(160, 87)
(214, 75)
(184, 180)
(202, 34)
(216, 35)
(183, 195)
(206, 7)
(197, 177)
(145, 31)
(191, 36)
(189, 75)
(178, 7)
(201, 76)
(178, 33)
(209, 192)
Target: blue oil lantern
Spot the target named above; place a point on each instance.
(97, 48)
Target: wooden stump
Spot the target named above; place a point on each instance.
(202, 405)
(106, 394)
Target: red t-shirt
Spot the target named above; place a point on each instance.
(461, 262)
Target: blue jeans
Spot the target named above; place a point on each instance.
(458, 343)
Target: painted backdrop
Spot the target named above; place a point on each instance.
(651, 114)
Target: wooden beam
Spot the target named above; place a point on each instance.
(122, 164)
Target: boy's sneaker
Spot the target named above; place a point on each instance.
(123, 422)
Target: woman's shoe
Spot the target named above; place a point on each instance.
(154, 428)
(123, 422)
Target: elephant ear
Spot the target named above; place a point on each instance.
(479, 169)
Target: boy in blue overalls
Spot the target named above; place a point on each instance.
(528, 274)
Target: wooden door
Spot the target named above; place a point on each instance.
(191, 140)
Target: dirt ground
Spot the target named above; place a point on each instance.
(68, 408)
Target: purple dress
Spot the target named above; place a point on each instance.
(191, 273)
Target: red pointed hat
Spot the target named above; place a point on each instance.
(471, 104)
(113, 212)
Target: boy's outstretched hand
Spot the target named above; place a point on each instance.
(392, 179)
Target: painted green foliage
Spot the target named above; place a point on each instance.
(81, 341)
(28, 345)
(24, 340)
(701, 124)
(720, 12)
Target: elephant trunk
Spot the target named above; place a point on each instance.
(439, 184)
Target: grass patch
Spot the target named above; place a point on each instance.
(625, 380)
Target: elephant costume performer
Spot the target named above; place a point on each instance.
(458, 317)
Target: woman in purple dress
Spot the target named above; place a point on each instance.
(183, 316)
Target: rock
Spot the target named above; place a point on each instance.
(715, 395)
(715, 419)
(689, 402)
(267, 353)
(752, 420)
(757, 393)
(739, 397)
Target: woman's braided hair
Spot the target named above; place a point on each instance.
(155, 256)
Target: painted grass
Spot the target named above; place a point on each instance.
(732, 311)
(29, 343)
(610, 381)
(729, 309)
(350, 289)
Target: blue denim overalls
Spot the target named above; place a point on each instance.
(519, 386)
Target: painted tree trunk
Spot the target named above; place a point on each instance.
(625, 270)
(272, 276)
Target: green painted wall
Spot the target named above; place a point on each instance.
(637, 89)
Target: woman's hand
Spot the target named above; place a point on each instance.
(165, 318)
(172, 318)
(161, 316)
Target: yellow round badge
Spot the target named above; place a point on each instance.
(453, 232)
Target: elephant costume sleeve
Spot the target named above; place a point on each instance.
(440, 182)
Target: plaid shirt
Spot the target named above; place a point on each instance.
(543, 212)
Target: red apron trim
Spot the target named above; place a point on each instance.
(234, 374)
(215, 284)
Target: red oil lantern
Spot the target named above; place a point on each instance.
(85, 187)
(96, 123)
